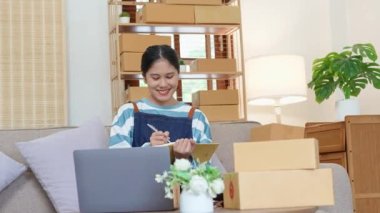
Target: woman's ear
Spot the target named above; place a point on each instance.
(145, 80)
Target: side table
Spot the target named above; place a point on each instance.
(355, 144)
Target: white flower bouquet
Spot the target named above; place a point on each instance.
(201, 178)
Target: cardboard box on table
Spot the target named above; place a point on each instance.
(138, 43)
(217, 15)
(213, 65)
(277, 175)
(276, 155)
(278, 189)
(276, 132)
(168, 13)
(215, 97)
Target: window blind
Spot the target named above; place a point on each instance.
(32, 64)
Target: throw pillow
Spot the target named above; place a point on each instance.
(9, 170)
(51, 160)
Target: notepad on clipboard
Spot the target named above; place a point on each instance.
(202, 151)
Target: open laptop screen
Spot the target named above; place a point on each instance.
(121, 180)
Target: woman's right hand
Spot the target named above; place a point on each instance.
(159, 138)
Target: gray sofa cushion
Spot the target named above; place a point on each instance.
(226, 134)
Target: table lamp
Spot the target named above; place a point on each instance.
(275, 80)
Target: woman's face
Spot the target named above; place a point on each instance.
(162, 79)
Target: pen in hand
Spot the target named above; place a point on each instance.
(156, 130)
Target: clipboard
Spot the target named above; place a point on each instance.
(202, 151)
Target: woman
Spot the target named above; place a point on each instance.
(160, 118)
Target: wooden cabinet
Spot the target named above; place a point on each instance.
(232, 42)
(355, 144)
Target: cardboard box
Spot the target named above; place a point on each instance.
(276, 132)
(278, 189)
(137, 93)
(221, 112)
(166, 13)
(130, 61)
(276, 155)
(193, 2)
(217, 15)
(138, 43)
(215, 97)
(213, 65)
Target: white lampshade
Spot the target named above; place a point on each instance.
(275, 80)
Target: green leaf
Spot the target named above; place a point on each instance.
(350, 70)
(366, 50)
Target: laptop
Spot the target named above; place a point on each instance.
(121, 180)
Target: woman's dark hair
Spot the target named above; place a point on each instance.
(156, 52)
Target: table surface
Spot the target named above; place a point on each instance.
(288, 210)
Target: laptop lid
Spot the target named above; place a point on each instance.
(121, 180)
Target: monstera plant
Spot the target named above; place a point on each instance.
(350, 70)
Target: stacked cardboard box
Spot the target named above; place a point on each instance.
(218, 105)
(213, 65)
(277, 175)
(276, 132)
(136, 93)
(190, 12)
(132, 46)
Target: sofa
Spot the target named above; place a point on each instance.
(26, 195)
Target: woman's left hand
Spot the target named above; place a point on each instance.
(183, 147)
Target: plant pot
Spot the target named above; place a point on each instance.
(193, 203)
(124, 19)
(183, 68)
(346, 107)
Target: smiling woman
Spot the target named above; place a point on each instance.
(173, 120)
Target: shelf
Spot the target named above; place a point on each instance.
(188, 75)
(214, 29)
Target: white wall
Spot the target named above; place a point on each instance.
(88, 61)
(364, 21)
(310, 29)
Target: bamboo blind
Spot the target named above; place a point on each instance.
(32, 64)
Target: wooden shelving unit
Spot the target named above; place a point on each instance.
(118, 77)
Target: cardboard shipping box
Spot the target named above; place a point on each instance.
(276, 132)
(278, 189)
(276, 155)
(193, 2)
(215, 97)
(136, 93)
(217, 15)
(213, 65)
(130, 61)
(129, 42)
(221, 112)
(168, 13)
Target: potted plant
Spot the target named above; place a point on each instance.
(350, 71)
(199, 184)
(124, 17)
(182, 65)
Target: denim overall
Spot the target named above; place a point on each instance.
(178, 127)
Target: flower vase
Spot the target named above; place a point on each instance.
(195, 203)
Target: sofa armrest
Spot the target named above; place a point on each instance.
(342, 190)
